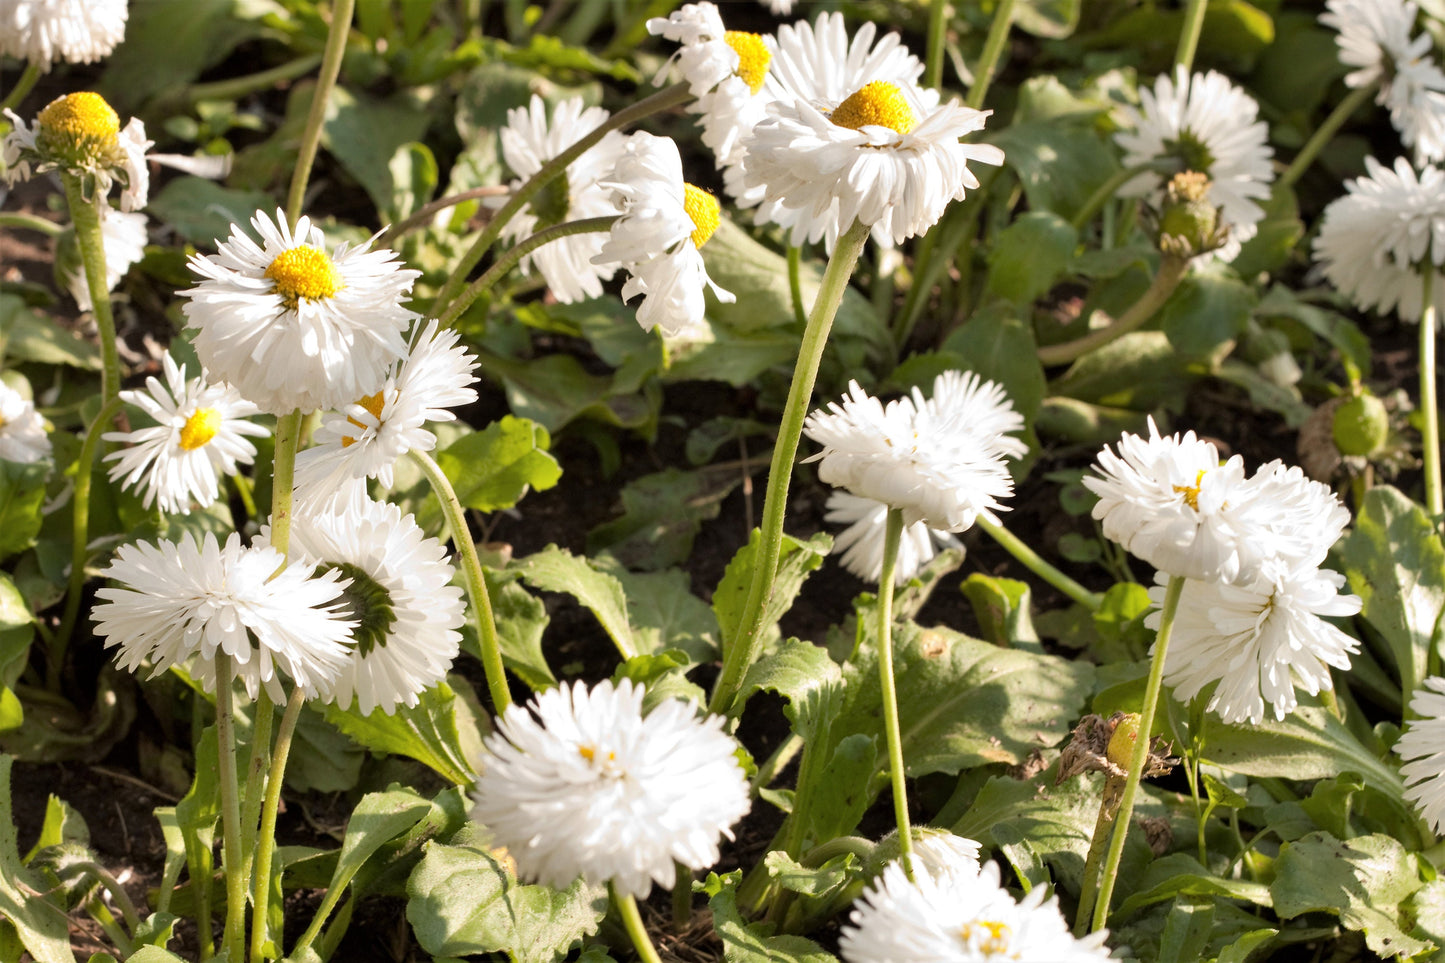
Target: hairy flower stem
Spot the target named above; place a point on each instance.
(1429, 403)
(743, 650)
(476, 583)
(85, 215)
(29, 222)
(993, 44)
(336, 35)
(263, 719)
(266, 838)
(1189, 35)
(664, 99)
(1089, 888)
(506, 262)
(893, 534)
(23, 86)
(283, 479)
(937, 35)
(1140, 756)
(425, 213)
(1036, 563)
(1096, 201)
(1325, 133)
(795, 285)
(632, 922)
(237, 87)
(1172, 269)
(233, 942)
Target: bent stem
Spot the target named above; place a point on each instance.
(266, 838)
(1429, 405)
(336, 35)
(1036, 563)
(85, 215)
(892, 536)
(1171, 271)
(1089, 889)
(743, 650)
(1140, 756)
(993, 44)
(23, 86)
(1325, 133)
(1096, 201)
(233, 942)
(476, 583)
(238, 87)
(632, 922)
(426, 212)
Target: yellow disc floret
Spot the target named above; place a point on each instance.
(876, 104)
(80, 117)
(988, 937)
(1191, 492)
(753, 57)
(200, 428)
(304, 272)
(704, 210)
(372, 403)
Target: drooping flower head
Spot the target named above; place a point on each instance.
(80, 134)
(862, 541)
(74, 31)
(199, 436)
(23, 438)
(582, 783)
(293, 326)
(1422, 746)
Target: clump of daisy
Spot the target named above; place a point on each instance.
(583, 783)
(294, 326)
(862, 541)
(529, 140)
(124, 237)
(73, 31)
(23, 438)
(659, 237)
(1422, 746)
(199, 436)
(1207, 125)
(191, 604)
(80, 134)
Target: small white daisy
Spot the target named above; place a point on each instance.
(1423, 746)
(406, 611)
(528, 142)
(1208, 125)
(962, 914)
(1257, 640)
(74, 31)
(862, 541)
(23, 438)
(293, 327)
(198, 438)
(1375, 241)
(1291, 517)
(81, 134)
(657, 239)
(939, 851)
(941, 460)
(124, 237)
(583, 784)
(365, 439)
(179, 602)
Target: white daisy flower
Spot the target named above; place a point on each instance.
(80, 133)
(780, 8)
(583, 784)
(657, 240)
(1257, 640)
(862, 541)
(528, 142)
(293, 327)
(1423, 746)
(365, 439)
(74, 31)
(941, 461)
(23, 438)
(938, 851)
(1209, 126)
(1291, 517)
(1375, 241)
(124, 238)
(185, 601)
(961, 914)
(406, 611)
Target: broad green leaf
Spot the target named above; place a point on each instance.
(664, 613)
(1341, 333)
(1141, 370)
(168, 45)
(806, 677)
(154, 954)
(1427, 907)
(555, 389)
(664, 675)
(203, 211)
(1029, 256)
(521, 620)
(557, 570)
(845, 791)
(61, 825)
(1243, 947)
(377, 819)
(41, 925)
(22, 491)
(1055, 19)
(796, 560)
(1181, 874)
(63, 731)
(323, 757)
(1059, 164)
(1120, 623)
(414, 179)
(1001, 348)
(1186, 931)
(754, 943)
(364, 134)
(1273, 244)
(1001, 606)
(30, 337)
(426, 732)
(493, 468)
(1206, 313)
(829, 878)
(661, 514)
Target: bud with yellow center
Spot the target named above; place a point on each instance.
(372, 403)
(753, 57)
(78, 129)
(876, 104)
(200, 428)
(704, 210)
(303, 272)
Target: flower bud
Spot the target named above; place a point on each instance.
(1121, 743)
(1361, 425)
(1189, 225)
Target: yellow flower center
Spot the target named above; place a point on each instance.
(704, 209)
(753, 57)
(200, 428)
(879, 104)
(372, 403)
(80, 118)
(304, 272)
(590, 754)
(1191, 492)
(989, 937)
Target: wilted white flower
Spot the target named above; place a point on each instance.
(1422, 745)
(862, 541)
(22, 431)
(528, 142)
(186, 601)
(583, 784)
(293, 327)
(124, 238)
(198, 437)
(941, 460)
(1208, 125)
(75, 31)
(81, 134)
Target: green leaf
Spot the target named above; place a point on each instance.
(62, 825)
(1141, 370)
(154, 954)
(203, 211)
(28, 336)
(1186, 931)
(41, 925)
(827, 879)
(557, 570)
(521, 620)
(1059, 164)
(1001, 348)
(493, 468)
(377, 819)
(364, 134)
(168, 45)
(664, 613)
(414, 180)
(1029, 256)
(555, 389)
(1206, 313)
(1055, 19)
(323, 757)
(744, 943)
(426, 732)
(1272, 246)
(22, 491)
(796, 561)
(1001, 606)
(661, 514)
(806, 677)
(1181, 874)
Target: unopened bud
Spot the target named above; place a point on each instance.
(1121, 743)
(1361, 425)
(1188, 223)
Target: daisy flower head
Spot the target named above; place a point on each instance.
(529, 140)
(582, 783)
(188, 601)
(293, 327)
(658, 239)
(81, 135)
(862, 541)
(1257, 640)
(1422, 746)
(398, 593)
(1293, 518)
(941, 460)
(124, 237)
(1209, 126)
(23, 438)
(199, 436)
(962, 914)
(1376, 240)
(73, 31)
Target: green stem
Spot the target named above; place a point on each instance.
(1140, 756)
(937, 35)
(1429, 405)
(266, 838)
(795, 285)
(238, 87)
(632, 922)
(1325, 133)
(336, 35)
(233, 942)
(993, 44)
(476, 582)
(79, 540)
(1189, 35)
(29, 222)
(892, 536)
(283, 479)
(263, 719)
(681, 897)
(781, 756)
(23, 86)
(1039, 566)
(1171, 271)
(323, 913)
(837, 846)
(1110, 187)
(85, 215)
(102, 915)
(662, 100)
(1089, 888)
(241, 485)
(744, 649)
(426, 212)
(509, 260)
